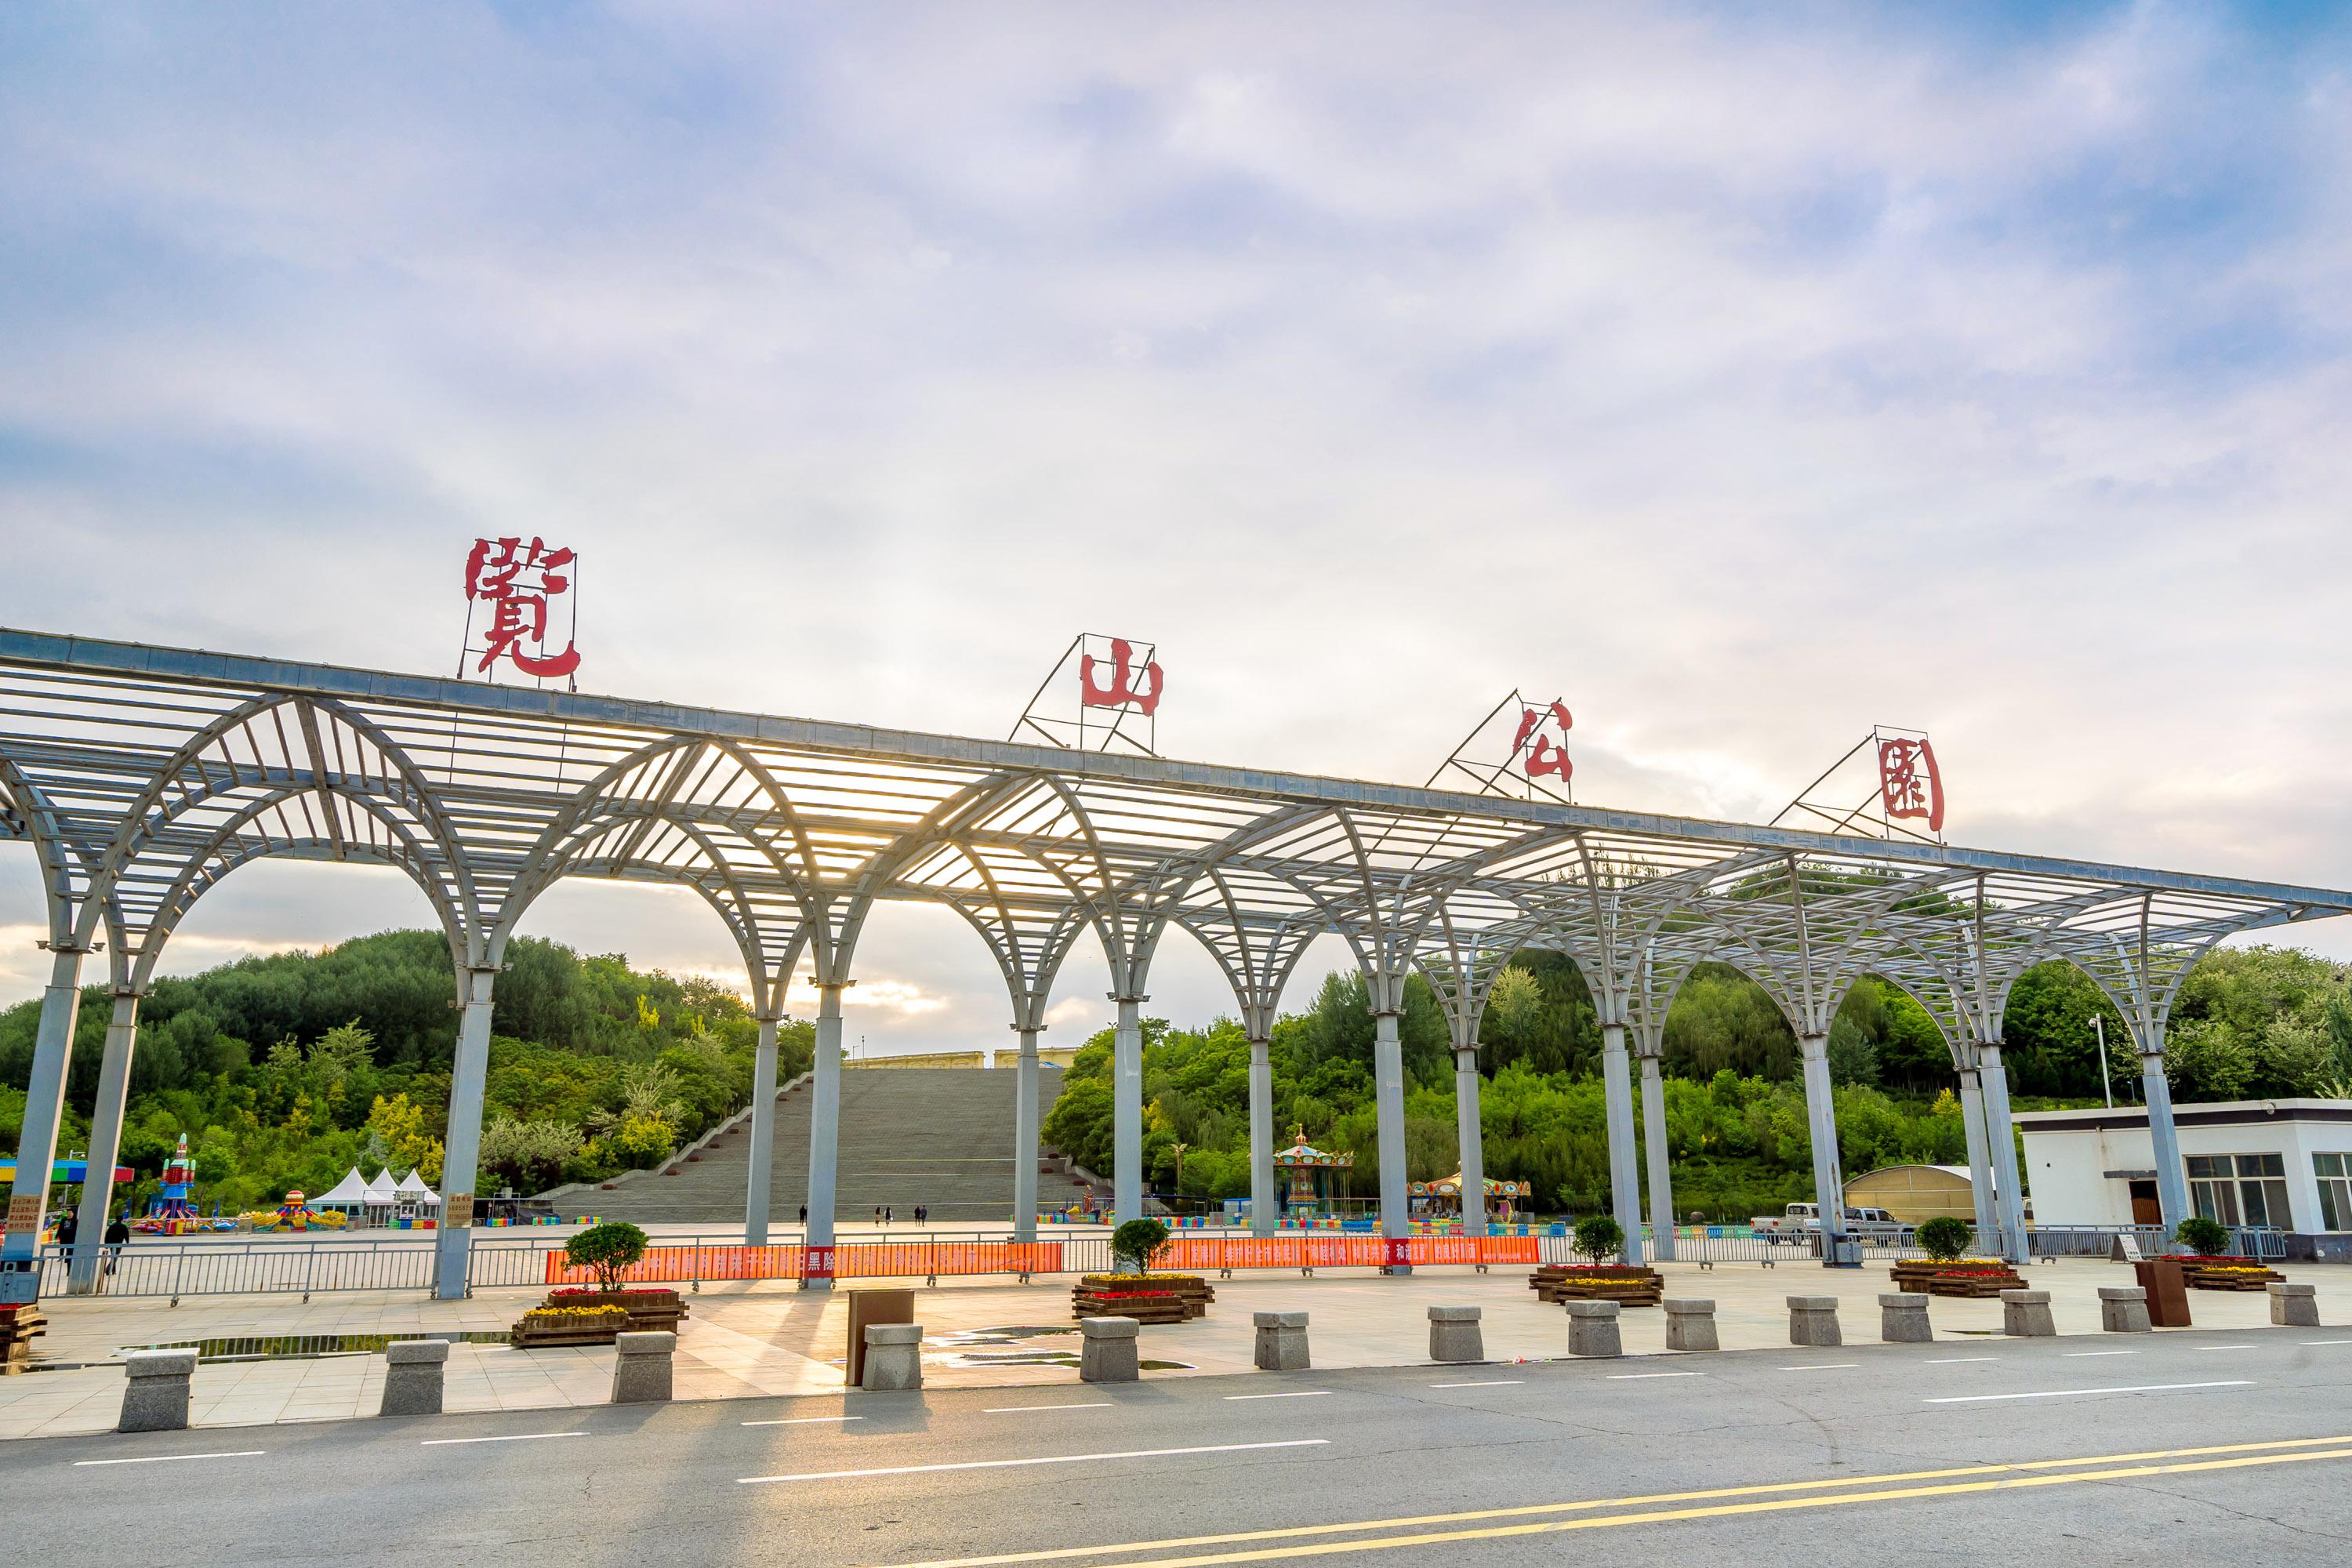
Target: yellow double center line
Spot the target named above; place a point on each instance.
(1662, 1507)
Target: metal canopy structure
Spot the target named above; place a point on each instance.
(142, 776)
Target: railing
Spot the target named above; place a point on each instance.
(180, 1268)
(2092, 1240)
(520, 1260)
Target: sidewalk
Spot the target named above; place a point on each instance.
(741, 1340)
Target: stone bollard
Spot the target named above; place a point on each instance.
(155, 1395)
(1592, 1328)
(1690, 1326)
(1813, 1321)
(412, 1377)
(893, 1357)
(2292, 1305)
(1107, 1350)
(1281, 1340)
(1454, 1334)
(641, 1367)
(1903, 1319)
(2025, 1315)
(2122, 1310)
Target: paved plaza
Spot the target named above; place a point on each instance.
(746, 1341)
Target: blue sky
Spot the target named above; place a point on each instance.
(1749, 375)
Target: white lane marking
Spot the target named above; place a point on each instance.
(1301, 1393)
(160, 1458)
(1049, 1459)
(2324, 1342)
(1023, 1409)
(2220, 1347)
(1638, 1376)
(2065, 1392)
(1515, 1381)
(1957, 1360)
(1823, 1366)
(2078, 1355)
(804, 1420)
(516, 1437)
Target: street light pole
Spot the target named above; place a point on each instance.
(2099, 1022)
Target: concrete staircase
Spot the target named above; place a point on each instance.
(941, 1137)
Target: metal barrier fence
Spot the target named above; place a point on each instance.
(2098, 1241)
(178, 1269)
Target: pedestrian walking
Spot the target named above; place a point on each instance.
(118, 1237)
(68, 1226)
(804, 1215)
(878, 1215)
(886, 1218)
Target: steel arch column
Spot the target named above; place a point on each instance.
(461, 1143)
(2164, 1134)
(1654, 1147)
(45, 1099)
(760, 1176)
(2000, 1139)
(1128, 1196)
(105, 1144)
(1624, 1166)
(1025, 1137)
(1980, 1177)
(824, 1132)
(1821, 1128)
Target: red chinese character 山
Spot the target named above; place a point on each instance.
(1908, 784)
(517, 580)
(1544, 755)
(1139, 689)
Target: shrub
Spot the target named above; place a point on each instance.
(1137, 1241)
(2205, 1237)
(608, 1248)
(1599, 1236)
(1944, 1238)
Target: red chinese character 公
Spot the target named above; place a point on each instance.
(1544, 755)
(1908, 784)
(517, 581)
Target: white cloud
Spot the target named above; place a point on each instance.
(1748, 379)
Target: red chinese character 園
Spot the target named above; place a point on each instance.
(1908, 784)
(517, 580)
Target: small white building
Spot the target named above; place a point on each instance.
(2281, 1162)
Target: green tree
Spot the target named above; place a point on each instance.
(1138, 1241)
(608, 1248)
(2205, 1059)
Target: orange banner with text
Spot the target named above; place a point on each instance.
(865, 1260)
(1340, 1251)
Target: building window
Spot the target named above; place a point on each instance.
(2334, 1173)
(2239, 1189)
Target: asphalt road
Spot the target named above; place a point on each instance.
(2195, 1446)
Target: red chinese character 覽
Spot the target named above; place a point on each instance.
(517, 580)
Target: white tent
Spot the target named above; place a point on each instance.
(349, 1194)
(412, 1189)
(382, 1197)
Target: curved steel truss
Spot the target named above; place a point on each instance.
(144, 775)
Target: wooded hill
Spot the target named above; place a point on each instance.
(286, 1070)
